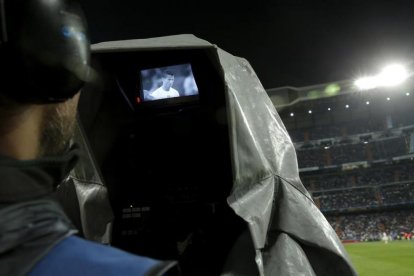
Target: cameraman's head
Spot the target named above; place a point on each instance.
(45, 58)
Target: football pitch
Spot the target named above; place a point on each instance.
(377, 258)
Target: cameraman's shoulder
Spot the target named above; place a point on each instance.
(76, 256)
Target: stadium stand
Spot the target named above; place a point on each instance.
(370, 226)
(355, 153)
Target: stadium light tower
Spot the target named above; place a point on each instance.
(391, 75)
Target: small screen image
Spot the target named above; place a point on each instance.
(167, 82)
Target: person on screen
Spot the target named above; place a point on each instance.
(165, 90)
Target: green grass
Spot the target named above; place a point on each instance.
(376, 258)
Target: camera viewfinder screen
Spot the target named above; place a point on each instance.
(167, 82)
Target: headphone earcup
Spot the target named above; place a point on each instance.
(47, 54)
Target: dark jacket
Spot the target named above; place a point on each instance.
(36, 237)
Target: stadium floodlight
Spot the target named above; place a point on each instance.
(366, 83)
(292, 114)
(367, 102)
(391, 75)
(407, 94)
(310, 111)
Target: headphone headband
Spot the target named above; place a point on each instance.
(3, 28)
(45, 50)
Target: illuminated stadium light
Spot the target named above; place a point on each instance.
(407, 94)
(329, 109)
(292, 114)
(326, 144)
(391, 75)
(347, 106)
(310, 111)
(365, 139)
(388, 98)
(366, 83)
(367, 102)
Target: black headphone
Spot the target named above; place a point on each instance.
(44, 50)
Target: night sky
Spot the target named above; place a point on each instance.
(288, 42)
